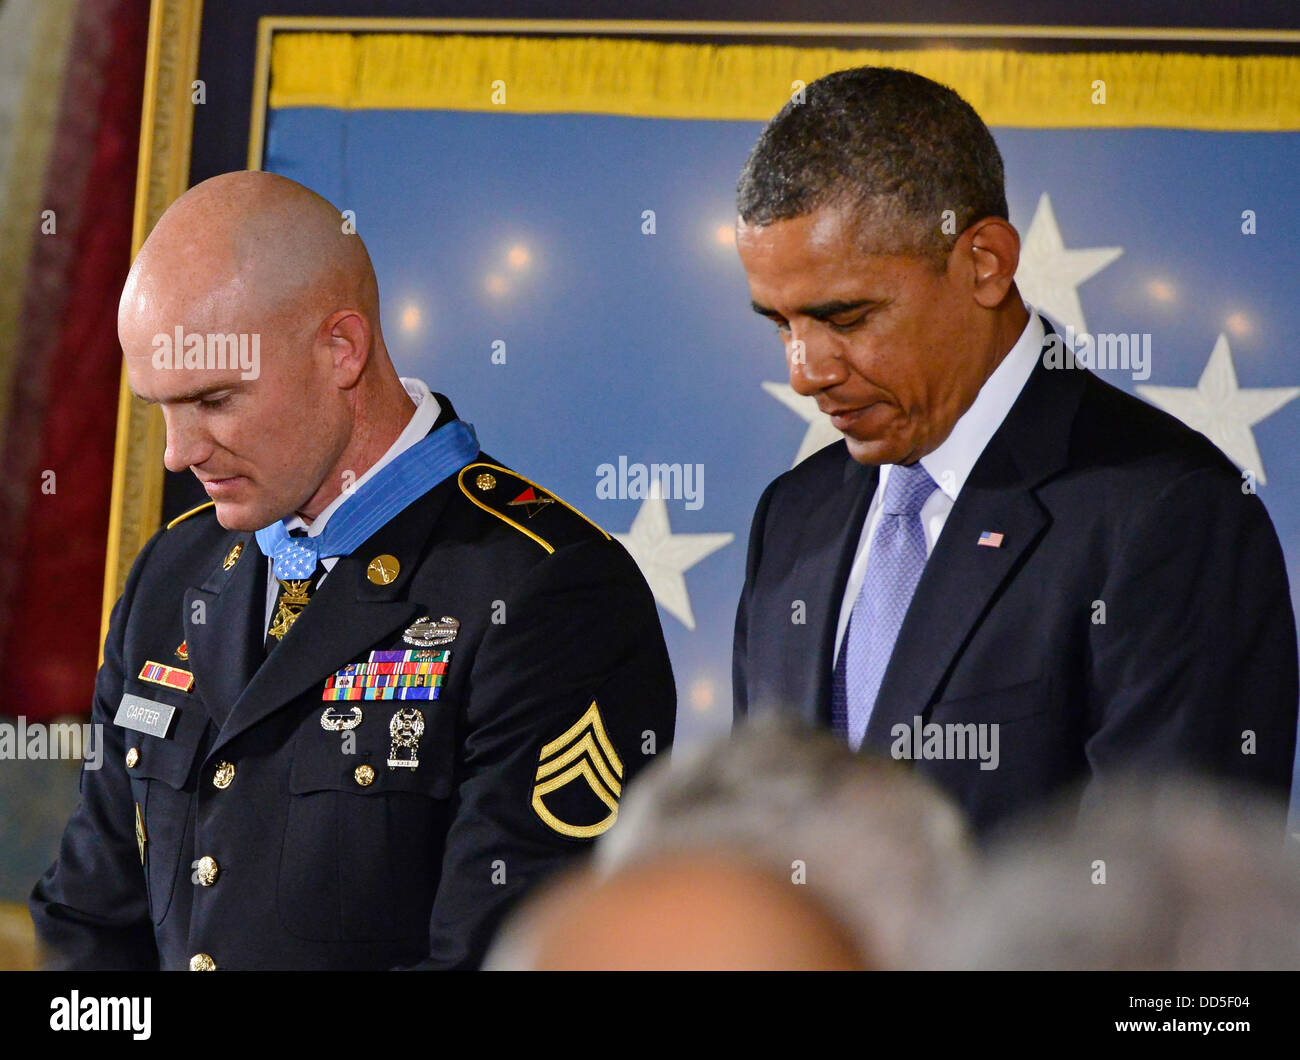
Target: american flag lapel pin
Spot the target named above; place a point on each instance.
(990, 539)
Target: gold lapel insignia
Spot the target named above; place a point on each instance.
(383, 569)
(232, 557)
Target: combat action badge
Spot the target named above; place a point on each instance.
(426, 633)
(583, 751)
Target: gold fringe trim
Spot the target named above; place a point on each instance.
(425, 71)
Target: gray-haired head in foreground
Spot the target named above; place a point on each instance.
(882, 849)
(894, 146)
(1174, 874)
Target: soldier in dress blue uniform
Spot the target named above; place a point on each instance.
(377, 687)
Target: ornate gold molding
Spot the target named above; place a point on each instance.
(167, 123)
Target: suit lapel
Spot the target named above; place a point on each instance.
(959, 582)
(962, 577)
(347, 616)
(825, 549)
(223, 619)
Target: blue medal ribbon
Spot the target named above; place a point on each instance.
(407, 477)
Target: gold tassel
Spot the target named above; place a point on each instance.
(435, 71)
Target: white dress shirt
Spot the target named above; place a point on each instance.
(950, 464)
(421, 422)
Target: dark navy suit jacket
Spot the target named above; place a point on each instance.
(1109, 509)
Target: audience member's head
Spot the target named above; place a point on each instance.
(1170, 875)
(678, 912)
(880, 847)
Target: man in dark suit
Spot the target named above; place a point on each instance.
(375, 690)
(1012, 574)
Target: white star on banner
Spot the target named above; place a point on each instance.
(1049, 275)
(821, 432)
(1222, 410)
(664, 557)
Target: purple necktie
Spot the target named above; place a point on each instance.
(894, 566)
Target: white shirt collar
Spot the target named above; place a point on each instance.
(422, 420)
(950, 464)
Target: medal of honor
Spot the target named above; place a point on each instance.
(295, 596)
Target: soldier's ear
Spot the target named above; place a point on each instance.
(345, 335)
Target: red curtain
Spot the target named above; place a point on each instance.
(64, 400)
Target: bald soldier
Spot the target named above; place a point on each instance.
(380, 684)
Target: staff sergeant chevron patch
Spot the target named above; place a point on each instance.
(583, 751)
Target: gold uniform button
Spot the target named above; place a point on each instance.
(365, 775)
(224, 775)
(201, 962)
(132, 757)
(486, 481)
(206, 871)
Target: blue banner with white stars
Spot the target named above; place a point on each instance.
(572, 282)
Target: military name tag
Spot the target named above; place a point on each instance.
(144, 715)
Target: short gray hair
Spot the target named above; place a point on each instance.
(896, 147)
(881, 848)
(1197, 876)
